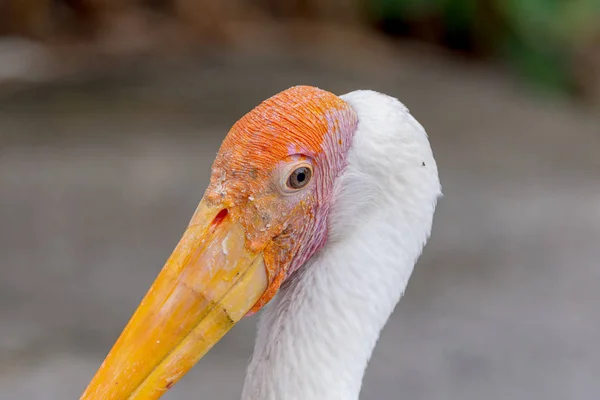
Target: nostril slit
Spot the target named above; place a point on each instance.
(220, 217)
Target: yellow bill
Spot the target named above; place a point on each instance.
(262, 216)
(207, 285)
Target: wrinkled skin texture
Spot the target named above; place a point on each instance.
(371, 198)
(302, 126)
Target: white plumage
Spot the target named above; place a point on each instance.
(348, 183)
(315, 338)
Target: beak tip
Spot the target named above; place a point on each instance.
(208, 284)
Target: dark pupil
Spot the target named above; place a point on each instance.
(299, 178)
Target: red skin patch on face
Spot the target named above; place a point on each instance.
(220, 217)
(300, 124)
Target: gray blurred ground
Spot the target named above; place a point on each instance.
(98, 180)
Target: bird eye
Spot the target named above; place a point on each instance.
(299, 178)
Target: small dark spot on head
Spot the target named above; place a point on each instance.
(170, 384)
(423, 164)
(253, 173)
(286, 231)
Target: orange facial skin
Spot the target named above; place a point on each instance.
(250, 231)
(302, 123)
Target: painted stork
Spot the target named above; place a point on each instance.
(325, 201)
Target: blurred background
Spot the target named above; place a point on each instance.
(111, 112)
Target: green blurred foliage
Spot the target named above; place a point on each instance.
(542, 39)
(552, 43)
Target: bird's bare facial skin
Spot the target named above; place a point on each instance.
(275, 172)
(262, 216)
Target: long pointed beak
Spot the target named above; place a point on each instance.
(207, 285)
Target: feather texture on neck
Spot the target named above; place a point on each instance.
(316, 337)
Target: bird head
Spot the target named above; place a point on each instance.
(263, 215)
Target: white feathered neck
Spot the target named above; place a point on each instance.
(316, 337)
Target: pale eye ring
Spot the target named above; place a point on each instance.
(299, 178)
